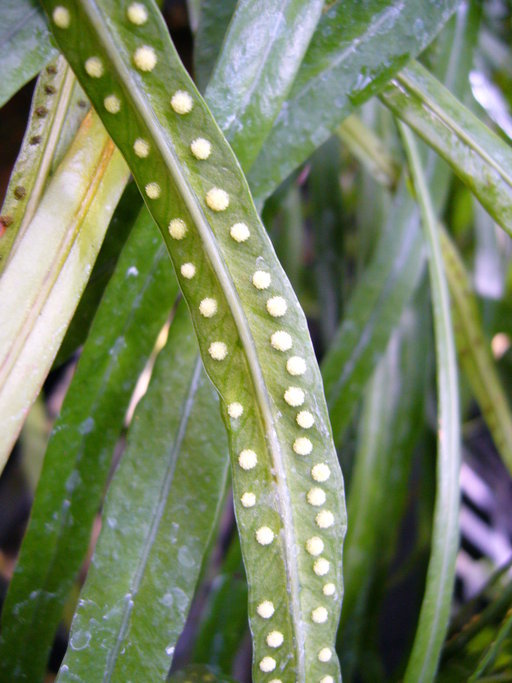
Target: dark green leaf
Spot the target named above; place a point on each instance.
(260, 57)
(80, 451)
(356, 49)
(25, 42)
(149, 556)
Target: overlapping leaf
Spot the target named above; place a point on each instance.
(235, 317)
(41, 287)
(148, 557)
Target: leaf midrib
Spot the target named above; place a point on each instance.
(147, 114)
(156, 517)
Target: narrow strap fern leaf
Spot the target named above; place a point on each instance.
(252, 332)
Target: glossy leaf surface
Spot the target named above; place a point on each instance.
(261, 54)
(282, 534)
(477, 155)
(356, 49)
(91, 419)
(148, 557)
(26, 46)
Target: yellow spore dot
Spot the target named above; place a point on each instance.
(275, 680)
(145, 58)
(235, 410)
(61, 17)
(208, 307)
(319, 615)
(320, 472)
(302, 446)
(294, 396)
(267, 664)
(265, 609)
(329, 589)
(112, 104)
(325, 654)
(275, 639)
(217, 199)
(314, 546)
(177, 229)
(248, 499)
(296, 365)
(321, 566)
(137, 13)
(94, 67)
(277, 306)
(324, 519)
(153, 190)
(261, 279)
(316, 496)
(141, 148)
(305, 419)
(218, 350)
(247, 459)
(188, 270)
(281, 341)
(264, 535)
(201, 148)
(181, 102)
(240, 232)
(327, 679)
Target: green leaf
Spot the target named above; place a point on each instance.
(199, 205)
(260, 57)
(42, 284)
(214, 18)
(435, 610)
(374, 310)
(196, 673)
(379, 484)
(224, 623)
(79, 455)
(30, 174)
(148, 557)
(356, 49)
(26, 46)
(369, 150)
(391, 277)
(475, 354)
(477, 155)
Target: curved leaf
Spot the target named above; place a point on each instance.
(261, 54)
(149, 556)
(70, 489)
(389, 280)
(356, 49)
(199, 204)
(379, 485)
(478, 156)
(25, 42)
(30, 173)
(475, 353)
(41, 287)
(435, 610)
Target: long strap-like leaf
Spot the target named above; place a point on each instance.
(435, 610)
(252, 333)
